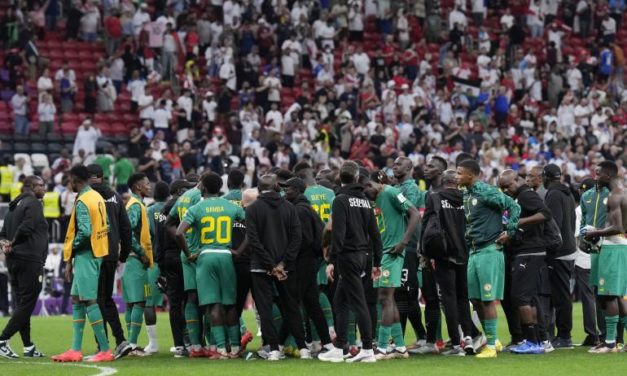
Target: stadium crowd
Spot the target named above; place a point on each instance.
(263, 87)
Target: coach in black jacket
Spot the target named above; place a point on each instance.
(24, 240)
(305, 286)
(561, 263)
(274, 237)
(119, 239)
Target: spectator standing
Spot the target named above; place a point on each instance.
(19, 104)
(86, 139)
(46, 110)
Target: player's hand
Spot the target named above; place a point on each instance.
(503, 238)
(193, 257)
(68, 272)
(398, 249)
(376, 273)
(330, 270)
(234, 253)
(383, 178)
(6, 246)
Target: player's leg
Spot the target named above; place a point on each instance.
(191, 311)
(153, 300)
(445, 277)
(263, 294)
(228, 300)
(491, 275)
(525, 276)
(243, 285)
(512, 314)
(560, 273)
(432, 309)
(463, 308)
(310, 295)
(94, 315)
(108, 307)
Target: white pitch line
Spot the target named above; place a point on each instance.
(104, 371)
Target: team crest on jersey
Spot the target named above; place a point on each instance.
(605, 201)
(487, 287)
(601, 281)
(386, 273)
(474, 202)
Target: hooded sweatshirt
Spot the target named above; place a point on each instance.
(274, 232)
(354, 224)
(27, 227)
(119, 224)
(561, 203)
(311, 229)
(452, 220)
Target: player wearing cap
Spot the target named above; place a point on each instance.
(484, 206)
(561, 262)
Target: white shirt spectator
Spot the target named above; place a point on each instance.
(507, 20)
(137, 88)
(274, 120)
(139, 18)
(232, 13)
(186, 104)
(46, 111)
(86, 139)
(361, 62)
(609, 26)
(574, 79)
(355, 17)
(274, 88)
(116, 70)
(287, 64)
(161, 118)
(227, 72)
(90, 21)
(44, 84)
(209, 107)
(457, 17)
(406, 102)
(19, 104)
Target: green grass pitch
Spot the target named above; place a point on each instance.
(53, 335)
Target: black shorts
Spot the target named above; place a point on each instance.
(526, 279)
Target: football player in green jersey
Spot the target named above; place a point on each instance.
(392, 210)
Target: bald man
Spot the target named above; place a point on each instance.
(525, 261)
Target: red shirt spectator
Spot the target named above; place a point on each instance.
(113, 26)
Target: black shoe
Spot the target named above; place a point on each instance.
(122, 350)
(32, 352)
(6, 352)
(590, 341)
(181, 352)
(562, 343)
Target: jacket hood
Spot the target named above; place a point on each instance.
(13, 204)
(355, 189)
(273, 199)
(300, 199)
(451, 194)
(560, 187)
(105, 191)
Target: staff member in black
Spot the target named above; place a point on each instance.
(527, 252)
(167, 256)
(24, 241)
(274, 237)
(561, 263)
(119, 239)
(356, 238)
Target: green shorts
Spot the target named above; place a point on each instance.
(391, 270)
(86, 275)
(594, 269)
(134, 281)
(322, 274)
(612, 269)
(486, 274)
(215, 277)
(154, 298)
(189, 274)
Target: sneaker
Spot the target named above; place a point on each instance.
(197, 353)
(468, 346)
(364, 356)
(264, 352)
(418, 344)
(32, 352)
(334, 355)
(246, 339)
(305, 354)
(455, 351)
(487, 352)
(512, 345)
(151, 349)
(548, 347)
(478, 342)
(315, 347)
(563, 343)
(69, 356)
(397, 354)
(378, 354)
(6, 351)
(428, 348)
(527, 347)
(218, 355)
(102, 356)
(604, 348)
(590, 341)
(498, 346)
(122, 350)
(181, 352)
(274, 356)
(139, 352)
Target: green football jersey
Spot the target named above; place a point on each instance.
(183, 203)
(321, 199)
(391, 208)
(235, 196)
(212, 219)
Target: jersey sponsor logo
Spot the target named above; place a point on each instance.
(354, 202)
(474, 202)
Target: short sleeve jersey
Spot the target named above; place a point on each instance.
(321, 199)
(391, 208)
(183, 203)
(212, 219)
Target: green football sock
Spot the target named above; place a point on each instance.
(326, 308)
(137, 317)
(611, 324)
(351, 333)
(218, 335)
(397, 334)
(234, 335)
(623, 320)
(384, 337)
(127, 319)
(97, 324)
(290, 342)
(192, 321)
(242, 326)
(489, 328)
(78, 324)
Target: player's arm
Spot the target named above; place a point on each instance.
(326, 239)
(414, 219)
(172, 222)
(338, 228)
(533, 203)
(179, 235)
(134, 217)
(614, 219)
(125, 232)
(502, 202)
(584, 212)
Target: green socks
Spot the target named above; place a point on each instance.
(326, 308)
(489, 328)
(397, 335)
(384, 336)
(78, 324)
(97, 324)
(137, 317)
(192, 322)
(623, 320)
(127, 318)
(218, 335)
(611, 324)
(234, 335)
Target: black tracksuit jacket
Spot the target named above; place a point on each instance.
(27, 227)
(119, 224)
